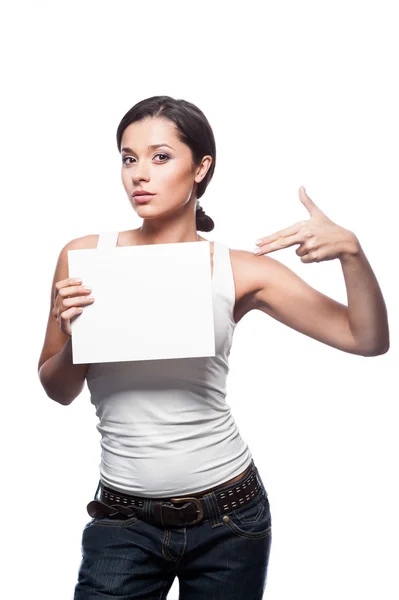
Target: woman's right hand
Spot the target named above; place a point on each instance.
(69, 301)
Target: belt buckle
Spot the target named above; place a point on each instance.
(198, 504)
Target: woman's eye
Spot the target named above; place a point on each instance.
(126, 157)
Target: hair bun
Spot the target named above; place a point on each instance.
(203, 222)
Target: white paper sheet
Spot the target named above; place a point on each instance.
(150, 302)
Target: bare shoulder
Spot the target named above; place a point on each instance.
(124, 238)
(250, 269)
(84, 242)
(257, 273)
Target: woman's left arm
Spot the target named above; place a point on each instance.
(362, 326)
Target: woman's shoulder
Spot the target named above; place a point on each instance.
(84, 242)
(242, 258)
(89, 241)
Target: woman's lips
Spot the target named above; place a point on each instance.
(143, 198)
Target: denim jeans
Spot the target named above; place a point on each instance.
(217, 559)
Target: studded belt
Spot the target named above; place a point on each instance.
(164, 512)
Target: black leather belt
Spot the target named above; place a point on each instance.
(113, 504)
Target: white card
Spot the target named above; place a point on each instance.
(150, 302)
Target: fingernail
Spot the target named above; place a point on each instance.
(258, 242)
(257, 251)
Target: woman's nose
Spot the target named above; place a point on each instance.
(141, 172)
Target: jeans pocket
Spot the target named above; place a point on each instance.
(252, 520)
(116, 521)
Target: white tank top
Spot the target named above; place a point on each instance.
(166, 428)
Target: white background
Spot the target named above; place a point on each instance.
(297, 93)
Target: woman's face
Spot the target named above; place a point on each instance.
(166, 171)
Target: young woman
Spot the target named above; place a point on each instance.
(179, 493)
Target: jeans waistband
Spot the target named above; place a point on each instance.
(163, 511)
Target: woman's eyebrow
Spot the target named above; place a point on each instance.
(151, 147)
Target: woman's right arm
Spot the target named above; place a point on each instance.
(62, 380)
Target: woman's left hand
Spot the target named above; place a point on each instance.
(319, 237)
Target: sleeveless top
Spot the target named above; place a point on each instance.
(166, 428)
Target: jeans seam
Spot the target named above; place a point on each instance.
(165, 542)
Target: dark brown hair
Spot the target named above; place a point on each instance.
(193, 129)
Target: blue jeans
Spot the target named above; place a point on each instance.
(217, 559)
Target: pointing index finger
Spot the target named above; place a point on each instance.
(278, 234)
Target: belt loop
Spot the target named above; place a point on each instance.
(211, 504)
(98, 487)
(147, 509)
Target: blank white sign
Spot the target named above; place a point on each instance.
(150, 302)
